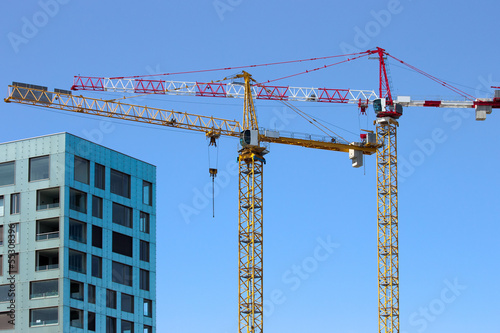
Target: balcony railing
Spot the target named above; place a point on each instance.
(44, 294)
(77, 295)
(43, 322)
(47, 267)
(47, 235)
(47, 206)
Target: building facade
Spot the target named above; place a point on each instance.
(77, 238)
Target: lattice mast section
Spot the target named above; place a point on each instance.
(387, 227)
(250, 243)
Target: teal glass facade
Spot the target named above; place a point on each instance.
(79, 221)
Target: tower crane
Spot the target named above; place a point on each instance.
(251, 156)
(250, 159)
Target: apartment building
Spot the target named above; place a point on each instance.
(77, 238)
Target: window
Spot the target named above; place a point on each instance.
(15, 203)
(4, 293)
(47, 259)
(148, 308)
(144, 280)
(144, 251)
(78, 231)
(47, 198)
(111, 299)
(76, 290)
(100, 176)
(127, 303)
(110, 325)
(77, 261)
(1, 235)
(96, 207)
(91, 293)
(122, 273)
(97, 267)
(39, 168)
(91, 321)
(82, 168)
(47, 288)
(13, 263)
(122, 215)
(45, 316)
(2, 205)
(7, 173)
(6, 321)
(144, 222)
(97, 236)
(78, 201)
(120, 183)
(147, 193)
(13, 233)
(147, 329)
(76, 318)
(127, 326)
(122, 244)
(47, 229)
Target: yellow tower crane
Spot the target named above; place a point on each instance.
(250, 158)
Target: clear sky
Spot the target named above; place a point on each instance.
(449, 205)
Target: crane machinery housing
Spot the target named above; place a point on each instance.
(251, 156)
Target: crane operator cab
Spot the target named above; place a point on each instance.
(249, 138)
(383, 110)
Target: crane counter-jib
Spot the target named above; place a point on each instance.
(66, 101)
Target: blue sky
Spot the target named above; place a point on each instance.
(448, 207)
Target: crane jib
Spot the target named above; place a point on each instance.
(219, 89)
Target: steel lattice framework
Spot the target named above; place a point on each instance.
(250, 241)
(219, 89)
(387, 226)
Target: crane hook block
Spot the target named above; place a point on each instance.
(213, 172)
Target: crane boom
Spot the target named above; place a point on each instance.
(64, 100)
(218, 89)
(264, 92)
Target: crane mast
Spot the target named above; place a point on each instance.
(250, 220)
(387, 206)
(387, 226)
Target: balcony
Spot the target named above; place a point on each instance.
(47, 229)
(47, 259)
(47, 198)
